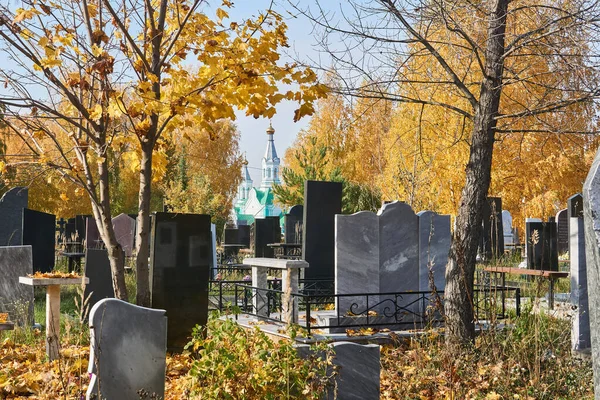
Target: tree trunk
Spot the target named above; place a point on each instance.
(143, 228)
(460, 272)
(103, 219)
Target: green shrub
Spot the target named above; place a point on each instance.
(237, 363)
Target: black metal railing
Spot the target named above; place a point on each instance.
(359, 310)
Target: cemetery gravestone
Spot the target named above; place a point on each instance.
(12, 204)
(507, 231)
(293, 224)
(244, 235)
(80, 227)
(435, 239)
(232, 236)
(580, 323)
(92, 234)
(322, 201)
(127, 351)
(398, 248)
(562, 227)
(265, 232)
(124, 227)
(390, 252)
(356, 259)
(180, 257)
(542, 251)
(575, 206)
(358, 370)
(591, 219)
(16, 299)
(492, 238)
(39, 232)
(97, 269)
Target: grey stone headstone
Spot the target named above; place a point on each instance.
(293, 224)
(542, 255)
(97, 268)
(322, 201)
(39, 232)
(12, 204)
(398, 248)
(562, 227)
(180, 257)
(15, 298)
(580, 323)
(127, 351)
(591, 219)
(356, 259)
(435, 239)
(92, 234)
(124, 227)
(358, 374)
(507, 230)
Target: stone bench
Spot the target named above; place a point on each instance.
(289, 280)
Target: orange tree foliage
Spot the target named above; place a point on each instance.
(206, 177)
(540, 157)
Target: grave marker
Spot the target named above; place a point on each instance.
(293, 224)
(127, 351)
(12, 204)
(97, 269)
(180, 257)
(124, 227)
(39, 232)
(544, 253)
(16, 299)
(562, 227)
(322, 201)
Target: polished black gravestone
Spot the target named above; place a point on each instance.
(322, 200)
(542, 245)
(293, 224)
(39, 231)
(97, 268)
(575, 206)
(180, 255)
(244, 235)
(562, 228)
(12, 204)
(492, 237)
(232, 236)
(264, 232)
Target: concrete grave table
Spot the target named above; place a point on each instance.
(289, 278)
(52, 307)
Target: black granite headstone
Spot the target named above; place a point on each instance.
(492, 238)
(97, 268)
(293, 224)
(39, 232)
(180, 256)
(562, 223)
(80, 226)
(322, 200)
(232, 236)
(12, 204)
(542, 247)
(70, 231)
(244, 235)
(265, 232)
(575, 206)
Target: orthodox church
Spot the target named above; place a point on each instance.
(255, 202)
